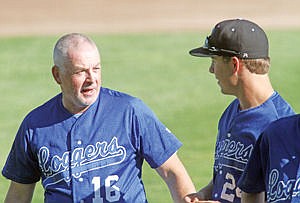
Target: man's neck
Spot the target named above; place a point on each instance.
(255, 92)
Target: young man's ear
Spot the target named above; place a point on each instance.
(55, 73)
(236, 64)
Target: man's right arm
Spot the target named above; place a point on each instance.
(19, 193)
(206, 192)
(253, 197)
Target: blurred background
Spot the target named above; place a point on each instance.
(42, 17)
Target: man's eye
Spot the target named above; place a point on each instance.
(79, 72)
(96, 69)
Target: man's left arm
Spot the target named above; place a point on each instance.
(176, 177)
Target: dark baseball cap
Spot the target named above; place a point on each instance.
(237, 37)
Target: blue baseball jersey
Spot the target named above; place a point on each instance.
(93, 157)
(274, 165)
(237, 134)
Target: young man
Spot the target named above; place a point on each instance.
(88, 143)
(273, 170)
(240, 62)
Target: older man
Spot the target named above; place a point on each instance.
(88, 143)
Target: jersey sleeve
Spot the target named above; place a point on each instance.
(21, 165)
(157, 142)
(253, 177)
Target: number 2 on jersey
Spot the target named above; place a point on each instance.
(230, 186)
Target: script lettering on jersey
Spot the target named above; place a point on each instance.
(81, 160)
(279, 190)
(229, 151)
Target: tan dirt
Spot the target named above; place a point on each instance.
(46, 17)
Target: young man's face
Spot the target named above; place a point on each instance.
(223, 70)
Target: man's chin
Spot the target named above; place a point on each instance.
(87, 101)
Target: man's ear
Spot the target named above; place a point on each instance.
(236, 64)
(56, 74)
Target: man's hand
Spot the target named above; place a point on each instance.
(197, 198)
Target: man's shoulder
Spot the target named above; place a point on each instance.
(124, 101)
(282, 107)
(118, 96)
(49, 103)
(107, 92)
(232, 109)
(44, 110)
(278, 100)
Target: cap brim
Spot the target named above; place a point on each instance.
(201, 52)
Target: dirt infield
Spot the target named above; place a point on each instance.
(41, 17)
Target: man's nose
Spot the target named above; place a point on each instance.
(89, 75)
(211, 68)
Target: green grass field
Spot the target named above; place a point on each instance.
(153, 67)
